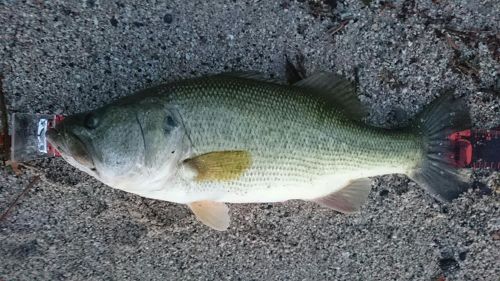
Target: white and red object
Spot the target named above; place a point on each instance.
(476, 149)
(28, 136)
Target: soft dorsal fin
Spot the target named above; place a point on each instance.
(336, 90)
(211, 213)
(219, 165)
(349, 199)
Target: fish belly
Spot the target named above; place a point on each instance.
(305, 190)
(265, 187)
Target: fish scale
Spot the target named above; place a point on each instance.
(293, 139)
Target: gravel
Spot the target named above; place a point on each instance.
(69, 56)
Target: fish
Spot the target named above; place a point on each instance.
(241, 138)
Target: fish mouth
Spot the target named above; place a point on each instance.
(69, 145)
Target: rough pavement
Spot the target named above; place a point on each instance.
(70, 56)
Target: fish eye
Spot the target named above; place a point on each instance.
(169, 124)
(170, 121)
(90, 121)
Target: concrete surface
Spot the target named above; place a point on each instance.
(69, 56)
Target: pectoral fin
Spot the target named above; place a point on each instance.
(220, 165)
(349, 199)
(212, 214)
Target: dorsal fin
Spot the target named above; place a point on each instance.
(295, 72)
(250, 75)
(337, 91)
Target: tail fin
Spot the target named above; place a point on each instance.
(436, 172)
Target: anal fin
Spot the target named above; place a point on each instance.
(211, 213)
(349, 199)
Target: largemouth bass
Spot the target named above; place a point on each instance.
(237, 138)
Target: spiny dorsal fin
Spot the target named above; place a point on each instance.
(349, 199)
(295, 72)
(337, 91)
(211, 213)
(250, 75)
(220, 165)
